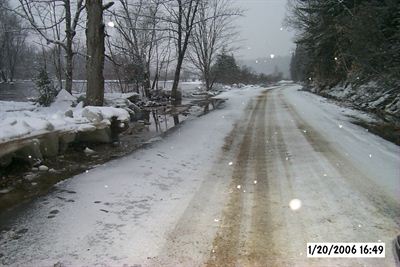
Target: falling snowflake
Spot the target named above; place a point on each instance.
(340, 126)
(239, 186)
(295, 204)
(111, 24)
(230, 163)
(272, 56)
(255, 182)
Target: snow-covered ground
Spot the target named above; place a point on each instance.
(25, 119)
(377, 157)
(140, 198)
(217, 190)
(371, 96)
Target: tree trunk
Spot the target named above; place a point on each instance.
(69, 68)
(207, 81)
(147, 83)
(3, 76)
(69, 54)
(175, 94)
(58, 66)
(95, 50)
(155, 82)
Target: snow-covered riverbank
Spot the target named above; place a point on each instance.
(24, 119)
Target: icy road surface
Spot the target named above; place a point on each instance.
(248, 185)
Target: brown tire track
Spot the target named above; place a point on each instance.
(226, 243)
(260, 239)
(178, 246)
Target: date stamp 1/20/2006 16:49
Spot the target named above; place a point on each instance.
(346, 250)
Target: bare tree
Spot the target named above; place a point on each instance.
(12, 41)
(46, 18)
(213, 32)
(162, 59)
(137, 27)
(181, 16)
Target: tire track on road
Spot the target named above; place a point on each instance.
(188, 243)
(260, 236)
(226, 242)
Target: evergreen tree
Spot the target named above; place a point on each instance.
(225, 70)
(346, 40)
(47, 91)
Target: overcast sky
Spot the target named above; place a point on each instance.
(261, 29)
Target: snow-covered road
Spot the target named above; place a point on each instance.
(217, 192)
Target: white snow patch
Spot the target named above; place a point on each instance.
(21, 119)
(354, 141)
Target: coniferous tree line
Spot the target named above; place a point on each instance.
(227, 71)
(346, 41)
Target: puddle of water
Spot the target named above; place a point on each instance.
(26, 184)
(19, 184)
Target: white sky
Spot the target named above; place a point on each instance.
(260, 29)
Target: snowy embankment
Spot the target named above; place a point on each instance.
(120, 212)
(369, 97)
(24, 119)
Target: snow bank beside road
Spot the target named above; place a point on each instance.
(369, 97)
(21, 119)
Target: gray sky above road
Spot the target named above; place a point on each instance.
(261, 29)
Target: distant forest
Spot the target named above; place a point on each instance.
(352, 41)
